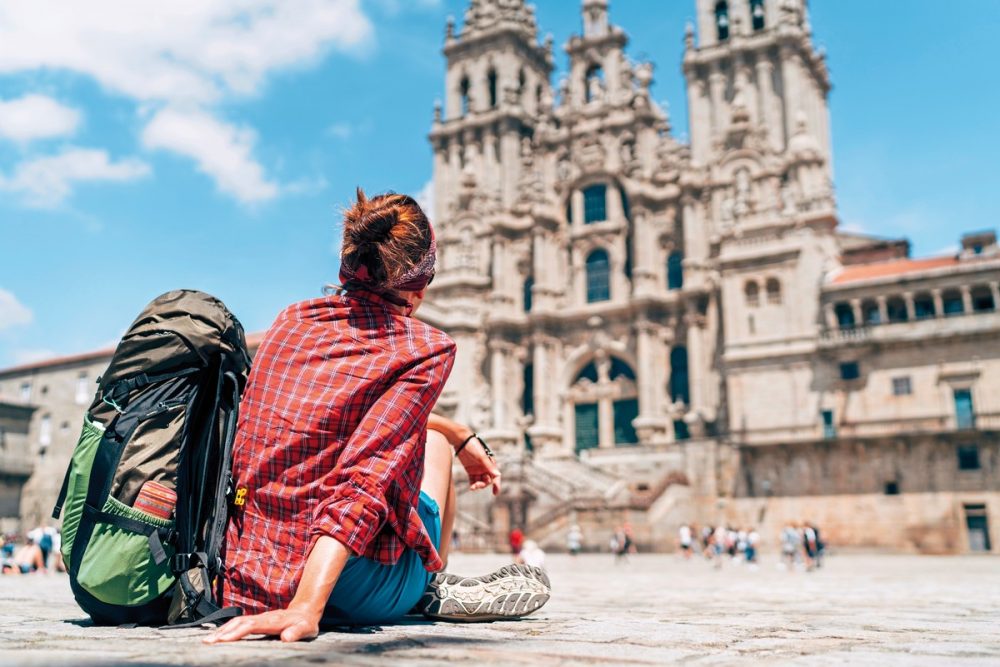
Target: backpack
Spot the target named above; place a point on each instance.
(164, 414)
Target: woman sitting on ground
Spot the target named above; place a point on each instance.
(342, 474)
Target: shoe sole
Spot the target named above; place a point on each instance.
(511, 592)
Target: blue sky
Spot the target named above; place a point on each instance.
(213, 148)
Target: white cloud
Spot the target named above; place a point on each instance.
(183, 50)
(36, 117)
(13, 313)
(179, 59)
(48, 181)
(221, 151)
(342, 131)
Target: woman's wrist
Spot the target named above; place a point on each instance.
(465, 441)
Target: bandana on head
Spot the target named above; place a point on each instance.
(413, 280)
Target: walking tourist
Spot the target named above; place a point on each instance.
(753, 538)
(684, 538)
(516, 541)
(791, 546)
(574, 540)
(345, 475)
(532, 555)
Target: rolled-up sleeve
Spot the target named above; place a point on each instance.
(353, 505)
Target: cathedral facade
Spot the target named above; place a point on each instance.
(636, 314)
(658, 332)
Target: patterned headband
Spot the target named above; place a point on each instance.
(414, 280)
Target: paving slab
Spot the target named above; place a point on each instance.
(653, 610)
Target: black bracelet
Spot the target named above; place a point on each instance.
(464, 443)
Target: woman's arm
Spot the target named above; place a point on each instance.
(301, 620)
(455, 433)
(480, 466)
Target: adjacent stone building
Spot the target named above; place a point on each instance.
(655, 332)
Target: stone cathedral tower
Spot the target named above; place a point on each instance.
(589, 260)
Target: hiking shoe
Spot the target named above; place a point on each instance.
(511, 592)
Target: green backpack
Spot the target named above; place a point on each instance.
(164, 415)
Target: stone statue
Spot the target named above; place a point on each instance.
(742, 204)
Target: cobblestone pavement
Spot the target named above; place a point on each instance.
(654, 610)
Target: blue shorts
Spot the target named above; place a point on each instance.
(372, 593)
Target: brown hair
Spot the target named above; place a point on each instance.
(387, 234)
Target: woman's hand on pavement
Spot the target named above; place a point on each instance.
(289, 624)
(480, 467)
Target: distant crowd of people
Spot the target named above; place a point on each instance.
(36, 552)
(718, 542)
(801, 546)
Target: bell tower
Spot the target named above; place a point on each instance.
(753, 68)
(496, 82)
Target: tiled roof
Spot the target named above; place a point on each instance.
(253, 341)
(858, 272)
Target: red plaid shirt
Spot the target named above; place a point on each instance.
(331, 442)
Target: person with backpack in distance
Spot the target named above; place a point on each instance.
(344, 503)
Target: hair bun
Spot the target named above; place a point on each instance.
(387, 234)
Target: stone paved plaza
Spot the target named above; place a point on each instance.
(654, 610)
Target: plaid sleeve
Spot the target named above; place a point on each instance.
(392, 432)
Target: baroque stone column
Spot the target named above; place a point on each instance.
(651, 422)
(911, 308)
(938, 302)
(503, 432)
(695, 328)
(545, 433)
(883, 309)
(765, 78)
(966, 299)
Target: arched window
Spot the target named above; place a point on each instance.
(757, 17)
(528, 394)
(752, 292)
(773, 292)
(595, 203)
(463, 93)
(675, 270)
(620, 369)
(594, 83)
(896, 309)
(598, 276)
(529, 283)
(845, 315)
(870, 313)
(953, 302)
(982, 299)
(521, 83)
(491, 80)
(923, 306)
(722, 20)
(680, 389)
(588, 372)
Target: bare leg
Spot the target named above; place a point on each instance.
(510, 592)
(439, 486)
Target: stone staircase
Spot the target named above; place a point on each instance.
(560, 492)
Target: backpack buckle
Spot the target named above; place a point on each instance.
(181, 562)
